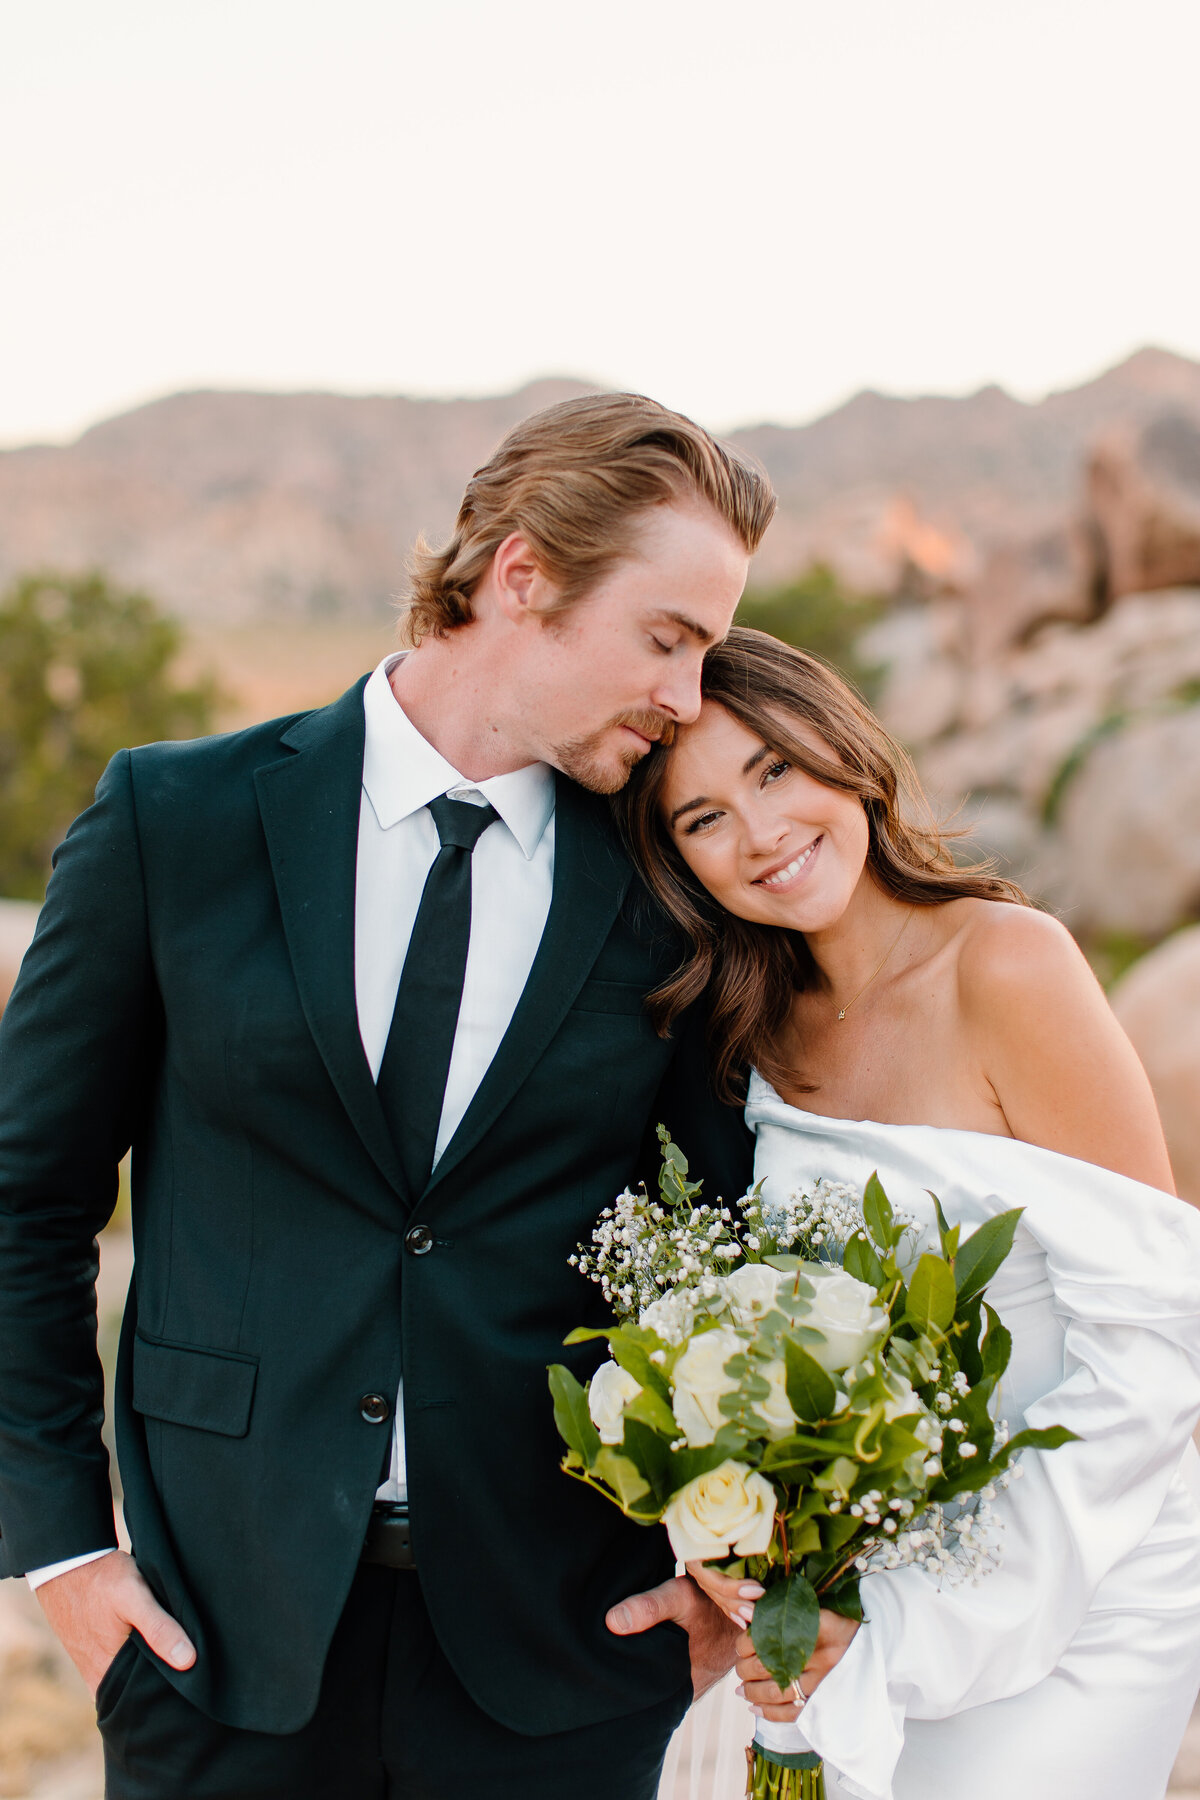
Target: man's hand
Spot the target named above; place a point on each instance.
(711, 1636)
(93, 1609)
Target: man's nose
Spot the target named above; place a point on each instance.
(678, 696)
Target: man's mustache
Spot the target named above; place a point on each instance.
(649, 724)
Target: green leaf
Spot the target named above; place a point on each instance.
(811, 1392)
(877, 1211)
(966, 1343)
(583, 1334)
(1046, 1437)
(837, 1529)
(859, 1259)
(804, 1536)
(975, 1475)
(948, 1234)
(631, 1346)
(931, 1295)
(786, 1622)
(997, 1346)
(571, 1414)
(686, 1465)
(671, 1153)
(622, 1476)
(844, 1599)
(983, 1252)
(650, 1456)
(649, 1408)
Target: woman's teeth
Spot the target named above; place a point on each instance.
(781, 877)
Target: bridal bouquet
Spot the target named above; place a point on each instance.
(800, 1394)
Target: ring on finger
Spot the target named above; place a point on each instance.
(797, 1694)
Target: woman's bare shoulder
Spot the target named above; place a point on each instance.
(1007, 954)
(1063, 1072)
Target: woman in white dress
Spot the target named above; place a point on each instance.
(909, 1016)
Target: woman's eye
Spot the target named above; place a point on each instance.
(699, 823)
(659, 645)
(776, 771)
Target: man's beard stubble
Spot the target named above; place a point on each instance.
(582, 758)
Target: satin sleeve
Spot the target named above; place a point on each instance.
(927, 1650)
(1122, 1261)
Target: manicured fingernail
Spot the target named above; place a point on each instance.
(740, 1690)
(746, 1615)
(757, 1711)
(750, 1590)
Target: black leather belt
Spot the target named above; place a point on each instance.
(389, 1536)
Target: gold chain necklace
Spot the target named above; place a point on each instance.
(879, 965)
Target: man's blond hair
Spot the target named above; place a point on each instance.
(573, 480)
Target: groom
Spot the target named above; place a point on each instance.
(363, 988)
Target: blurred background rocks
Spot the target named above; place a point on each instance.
(1015, 586)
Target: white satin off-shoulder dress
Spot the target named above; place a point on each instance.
(1069, 1673)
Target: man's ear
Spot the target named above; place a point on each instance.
(520, 589)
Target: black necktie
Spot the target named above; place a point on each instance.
(416, 1061)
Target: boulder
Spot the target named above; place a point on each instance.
(17, 920)
(1158, 1003)
(1128, 838)
(1143, 492)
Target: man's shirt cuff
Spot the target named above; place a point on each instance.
(35, 1577)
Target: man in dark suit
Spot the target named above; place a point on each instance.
(363, 989)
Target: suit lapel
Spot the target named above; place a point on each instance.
(591, 876)
(309, 804)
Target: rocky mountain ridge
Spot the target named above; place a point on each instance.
(242, 506)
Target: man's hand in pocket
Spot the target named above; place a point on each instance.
(93, 1609)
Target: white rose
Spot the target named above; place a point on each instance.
(751, 1291)
(728, 1510)
(700, 1381)
(776, 1409)
(901, 1401)
(609, 1393)
(847, 1314)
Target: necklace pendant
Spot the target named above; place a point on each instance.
(842, 1014)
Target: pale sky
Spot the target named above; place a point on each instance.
(748, 211)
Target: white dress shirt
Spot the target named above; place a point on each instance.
(512, 878)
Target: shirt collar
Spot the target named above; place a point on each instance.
(402, 772)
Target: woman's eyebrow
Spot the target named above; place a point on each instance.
(688, 806)
(747, 769)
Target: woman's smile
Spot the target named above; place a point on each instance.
(786, 875)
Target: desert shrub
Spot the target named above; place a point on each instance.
(815, 612)
(84, 671)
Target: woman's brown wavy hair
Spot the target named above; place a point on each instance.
(749, 973)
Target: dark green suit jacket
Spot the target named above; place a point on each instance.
(190, 991)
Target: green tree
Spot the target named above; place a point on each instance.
(816, 613)
(84, 671)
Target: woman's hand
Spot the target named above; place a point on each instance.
(735, 1598)
(757, 1686)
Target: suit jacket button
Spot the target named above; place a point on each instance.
(418, 1240)
(374, 1409)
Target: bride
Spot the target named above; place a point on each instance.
(903, 1014)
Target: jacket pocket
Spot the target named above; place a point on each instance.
(211, 1390)
(611, 997)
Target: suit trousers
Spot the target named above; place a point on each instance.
(392, 1723)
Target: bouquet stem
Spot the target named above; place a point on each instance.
(773, 1776)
